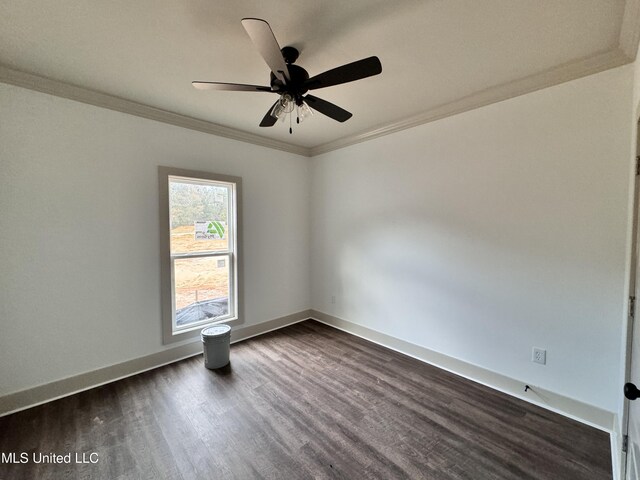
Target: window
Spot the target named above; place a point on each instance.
(199, 221)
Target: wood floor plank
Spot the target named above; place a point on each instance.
(303, 402)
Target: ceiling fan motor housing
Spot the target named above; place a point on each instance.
(296, 84)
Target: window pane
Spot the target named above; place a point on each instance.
(199, 214)
(201, 289)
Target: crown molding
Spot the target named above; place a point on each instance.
(554, 76)
(112, 102)
(630, 29)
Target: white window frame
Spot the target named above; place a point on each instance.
(170, 332)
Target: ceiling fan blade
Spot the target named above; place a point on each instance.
(265, 41)
(268, 120)
(328, 108)
(236, 87)
(364, 68)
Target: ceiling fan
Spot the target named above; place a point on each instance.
(291, 82)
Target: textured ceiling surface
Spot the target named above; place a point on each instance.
(432, 51)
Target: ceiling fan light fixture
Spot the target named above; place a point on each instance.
(283, 107)
(304, 112)
(278, 110)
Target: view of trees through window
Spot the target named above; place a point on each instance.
(199, 214)
(193, 201)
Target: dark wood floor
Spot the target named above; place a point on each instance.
(307, 401)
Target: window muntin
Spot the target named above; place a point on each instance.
(199, 214)
(199, 220)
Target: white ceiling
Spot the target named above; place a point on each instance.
(432, 52)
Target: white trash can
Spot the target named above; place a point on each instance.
(215, 344)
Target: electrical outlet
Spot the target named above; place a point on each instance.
(539, 356)
(333, 299)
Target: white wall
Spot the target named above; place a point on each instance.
(478, 236)
(484, 234)
(79, 248)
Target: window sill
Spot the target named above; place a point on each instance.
(194, 332)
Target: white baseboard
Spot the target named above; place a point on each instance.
(575, 409)
(589, 414)
(617, 456)
(47, 392)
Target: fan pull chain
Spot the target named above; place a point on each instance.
(290, 129)
(297, 114)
